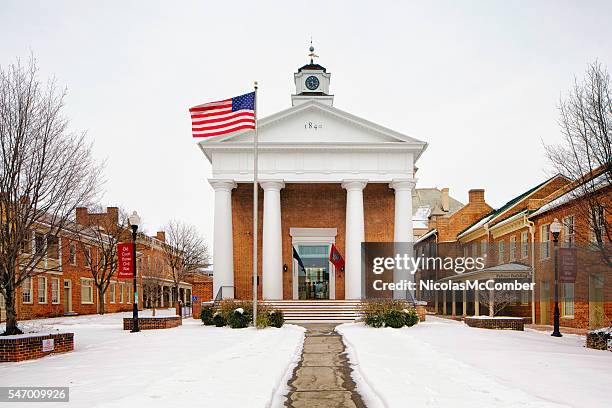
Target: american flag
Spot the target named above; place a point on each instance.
(226, 116)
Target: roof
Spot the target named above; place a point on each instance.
(510, 269)
(599, 182)
(426, 235)
(312, 66)
(432, 197)
(496, 213)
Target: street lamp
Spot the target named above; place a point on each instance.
(555, 228)
(134, 221)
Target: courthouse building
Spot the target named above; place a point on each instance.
(326, 177)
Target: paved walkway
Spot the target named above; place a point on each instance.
(322, 378)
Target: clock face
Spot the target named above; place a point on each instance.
(312, 83)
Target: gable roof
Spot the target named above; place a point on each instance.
(399, 138)
(497, 213)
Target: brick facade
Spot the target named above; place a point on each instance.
(305, 205)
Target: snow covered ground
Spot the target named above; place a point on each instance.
(443, 363)
(191, 365)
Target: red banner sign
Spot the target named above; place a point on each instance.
(568, 265)
(125, 266)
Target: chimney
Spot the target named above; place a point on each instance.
(113, 215)
(476, 196)
(161, 236)
(82, 215)
(445, 200)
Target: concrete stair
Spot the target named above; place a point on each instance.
(315, 311)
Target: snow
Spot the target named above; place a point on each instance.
(443, 363)
(191, 364)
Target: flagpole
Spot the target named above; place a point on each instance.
(255, 202)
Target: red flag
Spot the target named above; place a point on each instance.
(335, 257)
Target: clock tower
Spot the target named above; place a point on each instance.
(312, 82)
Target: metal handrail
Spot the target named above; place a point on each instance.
(219, 296)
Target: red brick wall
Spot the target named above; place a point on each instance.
(30, 347)
(305, 206)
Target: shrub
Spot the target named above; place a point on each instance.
(389, 313)
(227, 307)
(411, 317)
(239, 319)
(276, 318)
(218, 319)
(394, 318)
(206, 315)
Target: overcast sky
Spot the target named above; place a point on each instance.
(479, 81)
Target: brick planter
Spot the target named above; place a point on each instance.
(499, 323)
(30, 346)
(153, 323)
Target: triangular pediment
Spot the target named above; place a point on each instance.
(314, 123)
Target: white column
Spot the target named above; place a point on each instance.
(402, 230)
(402, 227)
(223, 248)
(272, 253)
(354, 237)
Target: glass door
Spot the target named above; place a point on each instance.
(313, 280)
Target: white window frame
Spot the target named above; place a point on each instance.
(569, 231)
(524, 245)
(545, 241)
(29, 291)
(568, 307)
(512, 249)
(112, 291)
(55, 299)
(44, 291)
(88, 256)
(501, 251)
(72, 254)
(90, 286)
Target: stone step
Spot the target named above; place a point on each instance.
(300, 311)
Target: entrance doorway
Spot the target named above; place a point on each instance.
(313, 280)
(67, 296)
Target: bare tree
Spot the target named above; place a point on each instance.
(152, 290)
(184, 252)
(46, 173)
(98, 235)
(585, 154)
(496, 300)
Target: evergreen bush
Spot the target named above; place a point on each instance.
(276, 318)
(218, 320)
(206, 315)
(238, 319)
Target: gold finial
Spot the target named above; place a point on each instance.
(312, 55)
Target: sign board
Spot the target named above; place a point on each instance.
(609, 344)
(194, 298)
(48, 345)
(568, 265)
(125, 266)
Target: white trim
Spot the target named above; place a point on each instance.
(44, 302)
(59, 291)
(92, 291)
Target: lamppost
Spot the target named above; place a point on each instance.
(555, 228)
(134, 221)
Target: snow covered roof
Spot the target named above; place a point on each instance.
(599, 182)
(426, 235)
